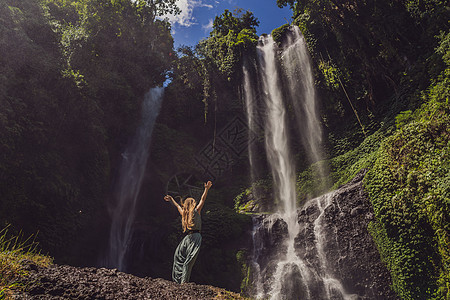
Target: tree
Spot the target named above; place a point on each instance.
(233, 36)
(72, 80)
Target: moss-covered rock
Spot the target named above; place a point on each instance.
(409, 185)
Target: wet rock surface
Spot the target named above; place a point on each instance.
(271, 232)
(336, 257)
(66, 282)
(351, 254)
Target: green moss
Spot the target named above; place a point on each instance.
(342, 168)
(278, 33)
(241, 257)
(410, 191)
(255, 198)
(331, 74)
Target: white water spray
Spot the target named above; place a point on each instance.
(297, 63)
(132, 169)
(292, 276)
(276, 131)
(280, 161)
(250, 106)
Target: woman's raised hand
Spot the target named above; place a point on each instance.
(167, 198)
(208, 185)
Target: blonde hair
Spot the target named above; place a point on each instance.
(187, 217)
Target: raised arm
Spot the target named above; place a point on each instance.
(202, 200)
(170, 199)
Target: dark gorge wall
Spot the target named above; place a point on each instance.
(71, 86)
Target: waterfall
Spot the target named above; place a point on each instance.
(131, 173)
(276, 131)
(280, 161)
(286, 273)
(250, 106)
(333, 287)
(296, 62)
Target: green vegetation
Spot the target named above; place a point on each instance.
(278, 33)
(256, 198)
(409, 185)
(342, 168)
(14, 254)
(233, 36)
(372, 55)
(72, 79)
(242, 259)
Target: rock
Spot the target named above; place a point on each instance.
(356, 211)
(28, 265)
(67, 282)
(349, 250)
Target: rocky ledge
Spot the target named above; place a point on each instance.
(67, 282)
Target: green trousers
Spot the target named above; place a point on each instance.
(185, 256)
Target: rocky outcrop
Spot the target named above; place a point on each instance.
(351, 255)
(66, 282)
(336, 257)
(269, 235)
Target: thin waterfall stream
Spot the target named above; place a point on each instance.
(134, 161)
(290, 274)
(297, 63)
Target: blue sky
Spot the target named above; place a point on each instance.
(195, 20)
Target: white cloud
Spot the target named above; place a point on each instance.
(209, 26)
(186, 18)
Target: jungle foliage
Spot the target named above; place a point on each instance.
(210, 71)
(232, 37)
(72, 78)
(409, 186)
(372, 55)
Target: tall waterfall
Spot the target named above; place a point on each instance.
(251, 118)
(296, 62)
(134, 161)
(276, 131)
(288, 274)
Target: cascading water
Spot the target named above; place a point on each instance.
(296, 62)
(287, 274)
(251, 118)
(123, 209)
(276, 131)
(332, 286)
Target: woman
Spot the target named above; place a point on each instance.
(187, 250)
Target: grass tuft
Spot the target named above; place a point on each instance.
(15, 253)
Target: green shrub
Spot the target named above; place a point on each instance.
(278, 33)
(342, 168)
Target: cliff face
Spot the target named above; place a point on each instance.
(336, 256)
